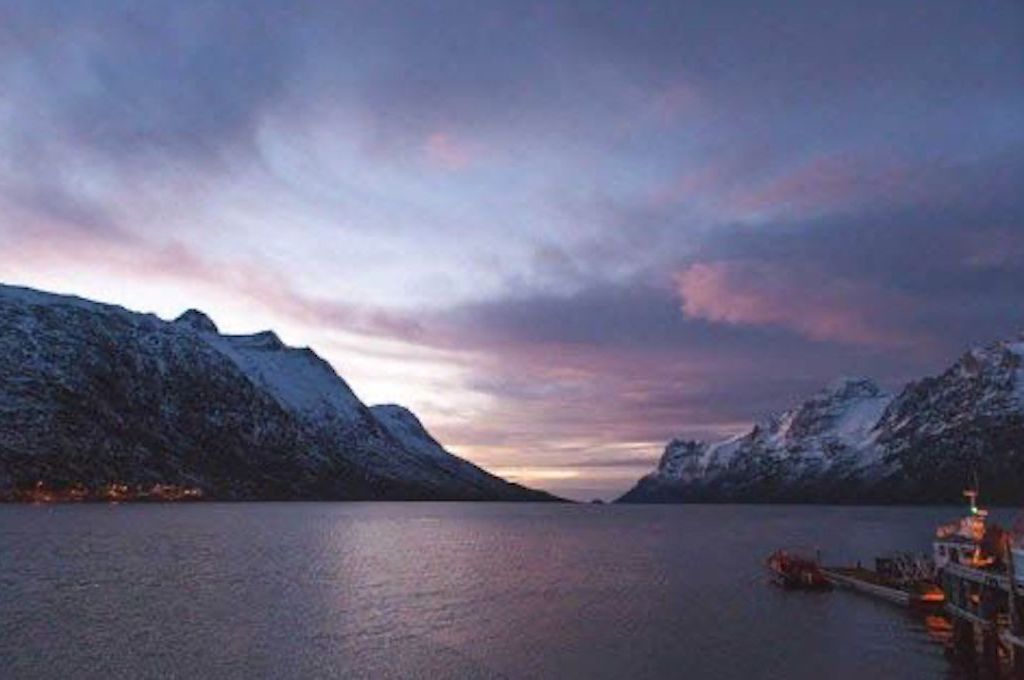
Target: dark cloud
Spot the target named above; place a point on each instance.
(645, 462)
(947, 267)
(54, 202)
(131, 79)
(190, 77)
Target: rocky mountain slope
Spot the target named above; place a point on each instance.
(854, 443)
(93, 395)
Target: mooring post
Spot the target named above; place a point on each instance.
(964, 648)
(990, 600)
(990, 650)
(1016, 627)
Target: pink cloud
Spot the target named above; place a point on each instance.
(805, 300)
(748, 185)
(444, 150)
(831, 182)
(823, 182)
(719, 180)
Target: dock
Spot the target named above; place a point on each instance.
(864, 581)
(867, 582)
(970, 577)
(987, 611)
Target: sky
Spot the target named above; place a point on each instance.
(561, 232)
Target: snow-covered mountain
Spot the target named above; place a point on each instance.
(93, 395)
(852, 442)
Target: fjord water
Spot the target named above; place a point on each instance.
(447, 590)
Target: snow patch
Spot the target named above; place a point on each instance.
(408, 430)
(300, 380)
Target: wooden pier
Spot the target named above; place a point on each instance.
(868, 582)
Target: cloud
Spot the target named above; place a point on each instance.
(804, 299)
(126, 80)
(940, 269)
(128, 258)
(820, 185)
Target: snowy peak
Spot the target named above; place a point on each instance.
(847, 388)
(680, 448)
(852, 442)
(197, 321)
(986, 381)
(683, 459)
(298, 379)
(834, 422)
(1000, 356)
(847, 407)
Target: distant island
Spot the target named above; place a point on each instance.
(854, 443)
(102, 404)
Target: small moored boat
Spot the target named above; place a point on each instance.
(791, 570)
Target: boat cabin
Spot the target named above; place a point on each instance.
(958, 551)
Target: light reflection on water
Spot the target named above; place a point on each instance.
(447, 590)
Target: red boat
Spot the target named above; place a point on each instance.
(790, 570)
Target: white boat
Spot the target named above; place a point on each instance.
(961, 542)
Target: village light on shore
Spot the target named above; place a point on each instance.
(113, 492)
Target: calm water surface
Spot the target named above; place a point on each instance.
(446, 590)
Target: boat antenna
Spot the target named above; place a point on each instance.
(972, 492)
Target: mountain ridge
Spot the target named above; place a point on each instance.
(854, 443)
(94, 395)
